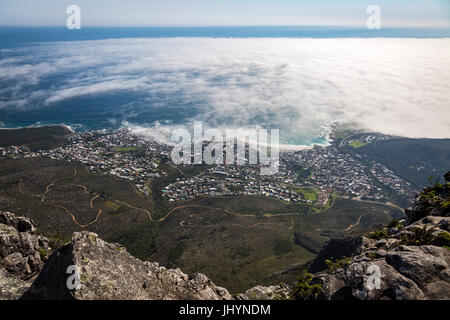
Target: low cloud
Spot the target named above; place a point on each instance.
(302, 86)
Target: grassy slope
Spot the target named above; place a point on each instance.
(313, 230)
(355, 144)
(404, 155)
(235, 251)
(34, 138)
(116, 222)
(238, 252)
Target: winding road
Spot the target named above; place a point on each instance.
(53, 184)
(49, 188)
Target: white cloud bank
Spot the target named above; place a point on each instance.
(393, 86)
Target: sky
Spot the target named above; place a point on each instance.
(395, 13)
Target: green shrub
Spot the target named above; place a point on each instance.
(57, 241)
(442, 239)
(371, 256)
(419, 237)
(424, 236)
(304, 288)
(280, 296)
(395, 223)
(43, 254)
(379, 234)
(341, 263)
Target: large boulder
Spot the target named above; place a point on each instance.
(21, 251)
(11, 287)
(353, 283)
(107, 271)
(22, 254)
(21, 224)
(277, 292)
(405, 273)
(428, 266)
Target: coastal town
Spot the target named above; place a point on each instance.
(308, 176)
(233, 180)
(117, 153)
(349, 174)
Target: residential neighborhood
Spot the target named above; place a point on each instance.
(305, 176)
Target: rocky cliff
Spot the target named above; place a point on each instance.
(405, 272)
(91, 269)
(22, 254)
(409, 259)
(107, 271)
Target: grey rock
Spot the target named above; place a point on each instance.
(380, 253)
(7, 218)
(354, 283)
(19, 255)
(406, 272)
(334, 249)
(25, 225)
(16, 264)
(20, 251)
(381, 243)
(11, 287)
(428, 266)
(107, 271)
(334, 286)
(444, 224)
(266, 293)
(21, 224)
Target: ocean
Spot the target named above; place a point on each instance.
(298, 79)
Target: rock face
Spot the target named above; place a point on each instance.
(334, 249)
(266, 293)
(108, 271)
(411, 262)
(405, 273)
(21, 254)
(11, 287)
(432, 201)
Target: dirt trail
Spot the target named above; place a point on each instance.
(74, 219)
(49, 188)
(355, 224)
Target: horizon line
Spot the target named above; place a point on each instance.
(228, 26)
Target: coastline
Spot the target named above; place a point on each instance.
(69, 128)
(282, 147)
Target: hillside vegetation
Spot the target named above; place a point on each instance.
(415, 160)
(237, 241)
(34, 138)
